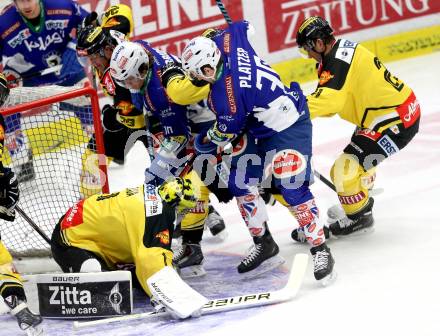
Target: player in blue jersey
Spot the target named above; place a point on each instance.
(36, 35)
(138, 67)
(248, 97)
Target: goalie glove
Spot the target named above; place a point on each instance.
(9, 194)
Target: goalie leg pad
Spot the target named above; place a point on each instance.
(172, 292)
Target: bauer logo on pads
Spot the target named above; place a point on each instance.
(84, 295)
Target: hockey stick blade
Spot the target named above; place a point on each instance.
(285, 294)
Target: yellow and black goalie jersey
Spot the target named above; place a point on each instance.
(354, 84)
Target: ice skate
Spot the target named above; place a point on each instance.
(262, 257)
(299, 236)
(189, 258)
(360, 222)
(216, 224)
(27, 320)
(323, 264)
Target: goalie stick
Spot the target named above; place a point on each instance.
(287, 293)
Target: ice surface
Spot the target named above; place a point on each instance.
(388, 281)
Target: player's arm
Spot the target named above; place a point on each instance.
(180, 88)
(325, 102)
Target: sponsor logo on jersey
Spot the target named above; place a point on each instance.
(12, 28)
(370, 134)
(43, 44)
(409, 111)
(74, 216)
(164, 237)
(227, 43)
(388, 145)
(288, 163)
(18, 39)
(59, 12)
(325, 77)
(352, 199)
(56, 24)
(2, 133)
(108, 83)
(230, 94)
(199, 208)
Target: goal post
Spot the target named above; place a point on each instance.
(54, 144)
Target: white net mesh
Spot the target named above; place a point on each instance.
(52, 149)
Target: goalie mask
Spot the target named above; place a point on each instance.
(129, 64)
(201, 59)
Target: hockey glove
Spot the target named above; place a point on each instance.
(9, 194)
(170, 71)
(109, 120)
(218, 137)
(4, 89)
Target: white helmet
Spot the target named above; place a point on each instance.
(129, 59)
(199, 52)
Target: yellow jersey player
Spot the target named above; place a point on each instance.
(11, 286)
(133, 226)
(354, 84)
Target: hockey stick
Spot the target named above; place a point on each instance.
(32, 223)
(285, 294)
(224, 11)
(43, 72)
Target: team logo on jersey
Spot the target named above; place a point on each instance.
(288, 163)
(18, 39)
(325, 77)
(164, 237)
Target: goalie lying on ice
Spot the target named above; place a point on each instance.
(133, 226)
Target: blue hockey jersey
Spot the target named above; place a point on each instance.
(25, 50)
(249, 95)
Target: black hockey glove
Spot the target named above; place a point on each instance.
(109, 120)
(170, 71)
(9, 194)
(89, 20)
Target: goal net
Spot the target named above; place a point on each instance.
(53, 139)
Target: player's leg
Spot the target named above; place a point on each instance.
(289, 153)
(353, 172)
(189, 257)
(12, 291)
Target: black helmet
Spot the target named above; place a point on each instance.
(311, 29)
(91, 40)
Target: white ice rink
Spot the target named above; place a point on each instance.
(388, 281)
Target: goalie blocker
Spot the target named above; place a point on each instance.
(84, 295)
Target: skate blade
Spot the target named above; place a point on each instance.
(264, 267)
(35, 331)
(329, 279)
(192, 272)
(358, 233)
